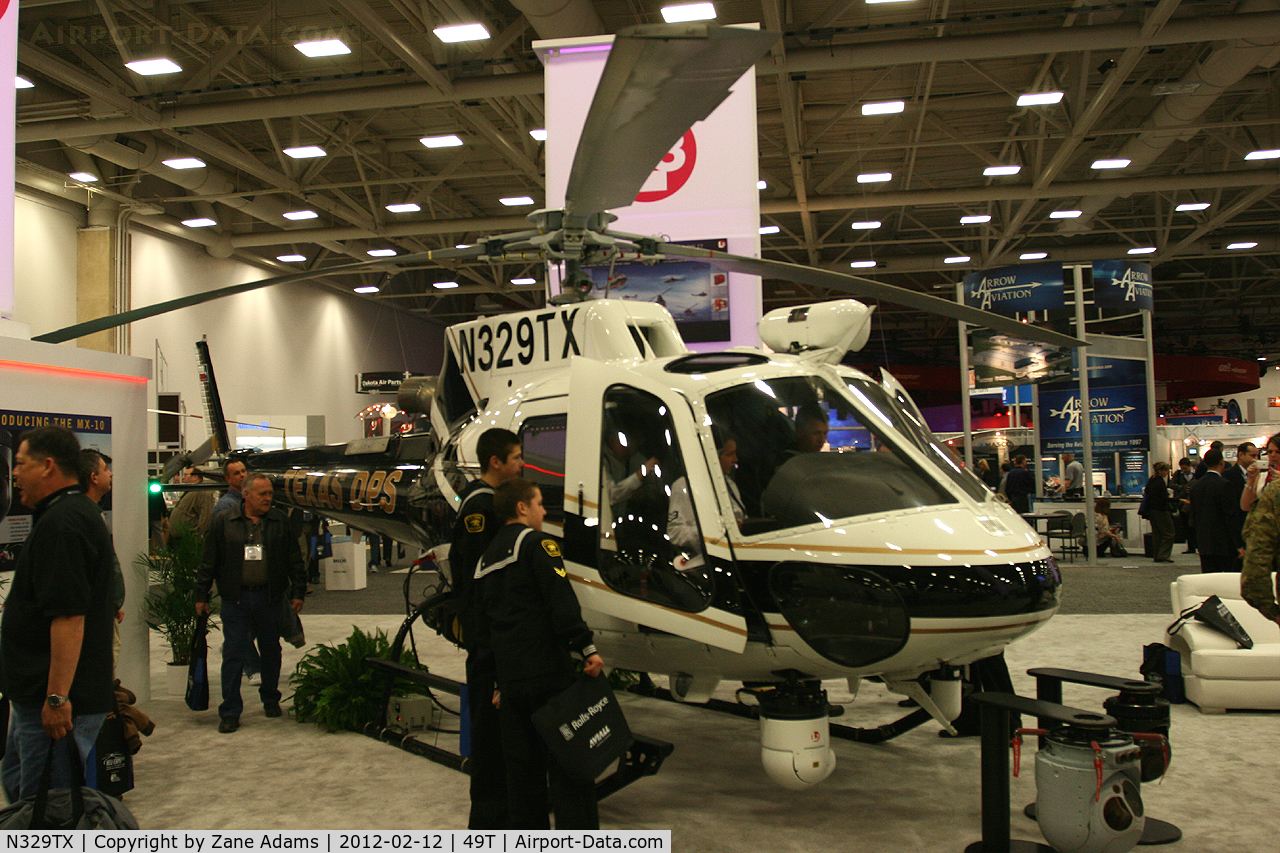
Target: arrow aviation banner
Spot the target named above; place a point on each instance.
(1016, 289)
(1122, 284)
(1118, 403)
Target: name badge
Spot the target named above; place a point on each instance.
(253, 552)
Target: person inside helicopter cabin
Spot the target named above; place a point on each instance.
(682, 523)
(627, 473)
(811, 430)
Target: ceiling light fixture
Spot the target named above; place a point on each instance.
(977, 219)
(1247, 244)
(369, 288)
(305, 152)
(957, 259)
(297, 215)
(1266, 154)
(1035, 99)
(875, 177)
(1113, 163)
(21, 82)
(524, 281)
(322, 47)
(404, 207)
(862, 265)
(184, 163)
(83, 177)
(688, 12)
(883, 108)
(869, 225)
(291, 259)
(152, 67)
(445, 285)
(449, 141)
(762, 185)
(769, 229)
(461, 32)
(1033, 256)
(516, 201)
(1192, 206)
(382, 253)
(1065, 214)
(1142, 250)
(539, 134)
(199, 222)
(997, 171)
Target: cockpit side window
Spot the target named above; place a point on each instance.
(807, 455)
(543, 442)
(642, 480)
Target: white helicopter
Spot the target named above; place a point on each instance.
(893, 561)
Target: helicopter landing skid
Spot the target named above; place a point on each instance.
(880, 734)
(643, 758)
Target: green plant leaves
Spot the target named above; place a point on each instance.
(170, 605)
(335, 688)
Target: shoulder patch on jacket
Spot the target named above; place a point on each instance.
(552, 549)
(474, 522)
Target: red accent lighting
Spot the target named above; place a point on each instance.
(73, 371)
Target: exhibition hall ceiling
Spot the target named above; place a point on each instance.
(1187, 92)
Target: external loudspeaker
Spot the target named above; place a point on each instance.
(1088, 796)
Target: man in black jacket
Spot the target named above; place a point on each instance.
(252, 552)
(1215, 511)
(1158, 509)
(529, 616)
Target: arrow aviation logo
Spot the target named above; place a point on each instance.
(1099, 413)
(1001, 288)
(1135, 283)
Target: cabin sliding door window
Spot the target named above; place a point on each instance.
(640, 466)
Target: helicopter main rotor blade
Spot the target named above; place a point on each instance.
(113, 320)
(659, 80)
(866, 288)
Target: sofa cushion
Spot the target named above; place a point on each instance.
(1190, 590)
(1261, 663)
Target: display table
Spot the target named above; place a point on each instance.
(346, 568)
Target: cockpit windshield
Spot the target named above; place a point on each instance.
(806, 454)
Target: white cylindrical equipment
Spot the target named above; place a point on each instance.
(796, 752)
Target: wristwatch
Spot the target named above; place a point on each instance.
(56, 701)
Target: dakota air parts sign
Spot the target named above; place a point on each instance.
(1122, 284)
(1015, 289)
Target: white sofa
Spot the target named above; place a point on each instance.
(1217, 673)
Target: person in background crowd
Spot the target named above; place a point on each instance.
(1072, 485)
(1262, 548)
(234, 472)
(252, 552)
(1236, 475)
(1020, 485)
(1214, 510)
(1181, 483)
(55, 639)
(1005, 468)
(1260, 474)
(194, 512)
(1158, 508)
(988, 475)
(1108, 541)
(1202, 467)
(95, 482)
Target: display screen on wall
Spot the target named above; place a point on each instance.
(999, 360)
(697, 295)
(94, 433)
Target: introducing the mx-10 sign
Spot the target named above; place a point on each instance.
(501, 343)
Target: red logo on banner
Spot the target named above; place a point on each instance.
(672, 172)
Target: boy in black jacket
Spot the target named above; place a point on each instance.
(529, 618)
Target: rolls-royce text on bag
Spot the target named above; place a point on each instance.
(584, 728)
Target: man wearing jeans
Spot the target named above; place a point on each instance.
(56, 635)
(252, 552)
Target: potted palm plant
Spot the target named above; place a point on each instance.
(170, 605)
